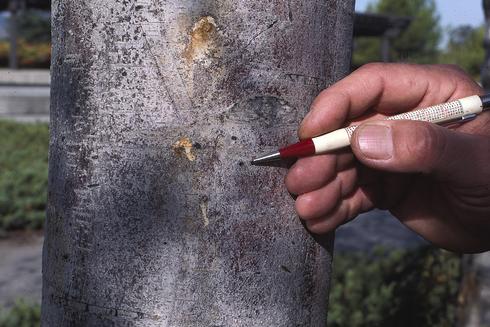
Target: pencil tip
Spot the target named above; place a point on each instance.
(266, 159)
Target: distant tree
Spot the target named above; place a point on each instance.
(34, 26)
(418, 43)
(465, 49)
(366, 49)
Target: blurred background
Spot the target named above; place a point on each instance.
(384, 275)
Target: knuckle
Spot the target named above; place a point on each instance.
(453, 67)
(459, 78)
(372, 75)
(371, 67)
(451, 71)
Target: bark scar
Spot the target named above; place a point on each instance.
(201, 40)
(256, 36)
(184, 148)
(290, 13)
(204, 212)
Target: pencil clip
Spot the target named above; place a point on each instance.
(468, 117)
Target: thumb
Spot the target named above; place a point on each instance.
(414, 146)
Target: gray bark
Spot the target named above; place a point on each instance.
(485, 73)
(155, 217)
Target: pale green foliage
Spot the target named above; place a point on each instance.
(465, 49)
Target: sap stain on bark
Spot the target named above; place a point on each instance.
(184, 148)
(202, 40)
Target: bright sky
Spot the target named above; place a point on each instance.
(452, 12)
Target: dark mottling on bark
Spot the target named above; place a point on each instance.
(137, 233)
(263, 111)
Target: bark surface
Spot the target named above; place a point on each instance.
(155, 216)
(485, 72)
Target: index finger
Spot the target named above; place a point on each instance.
(385, 89)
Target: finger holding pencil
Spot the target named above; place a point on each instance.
(435, 180)
(458, 111)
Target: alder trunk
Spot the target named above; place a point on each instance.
(155, 216)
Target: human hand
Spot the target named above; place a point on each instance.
(435, 180)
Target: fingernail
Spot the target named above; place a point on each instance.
(375, 141)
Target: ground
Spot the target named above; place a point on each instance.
(20, 267)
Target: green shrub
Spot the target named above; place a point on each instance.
(22, 314)
(23, 175)
(400, 288)
(29, 55)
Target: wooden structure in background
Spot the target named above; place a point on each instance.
(26, 4)
(378, 25)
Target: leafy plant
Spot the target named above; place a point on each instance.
(400, 288)
(465, 49)
(23, 175)
(34, 26)
(22, 314)
(30, 55)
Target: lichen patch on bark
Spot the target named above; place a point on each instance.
(201, 40)
(183, 148)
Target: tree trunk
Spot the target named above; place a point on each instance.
(155, 216)
(485, 72)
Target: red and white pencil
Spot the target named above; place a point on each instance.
(457, 111)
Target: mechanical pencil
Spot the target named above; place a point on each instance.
(458, 111)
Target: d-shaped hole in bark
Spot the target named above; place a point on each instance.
(263, 111)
